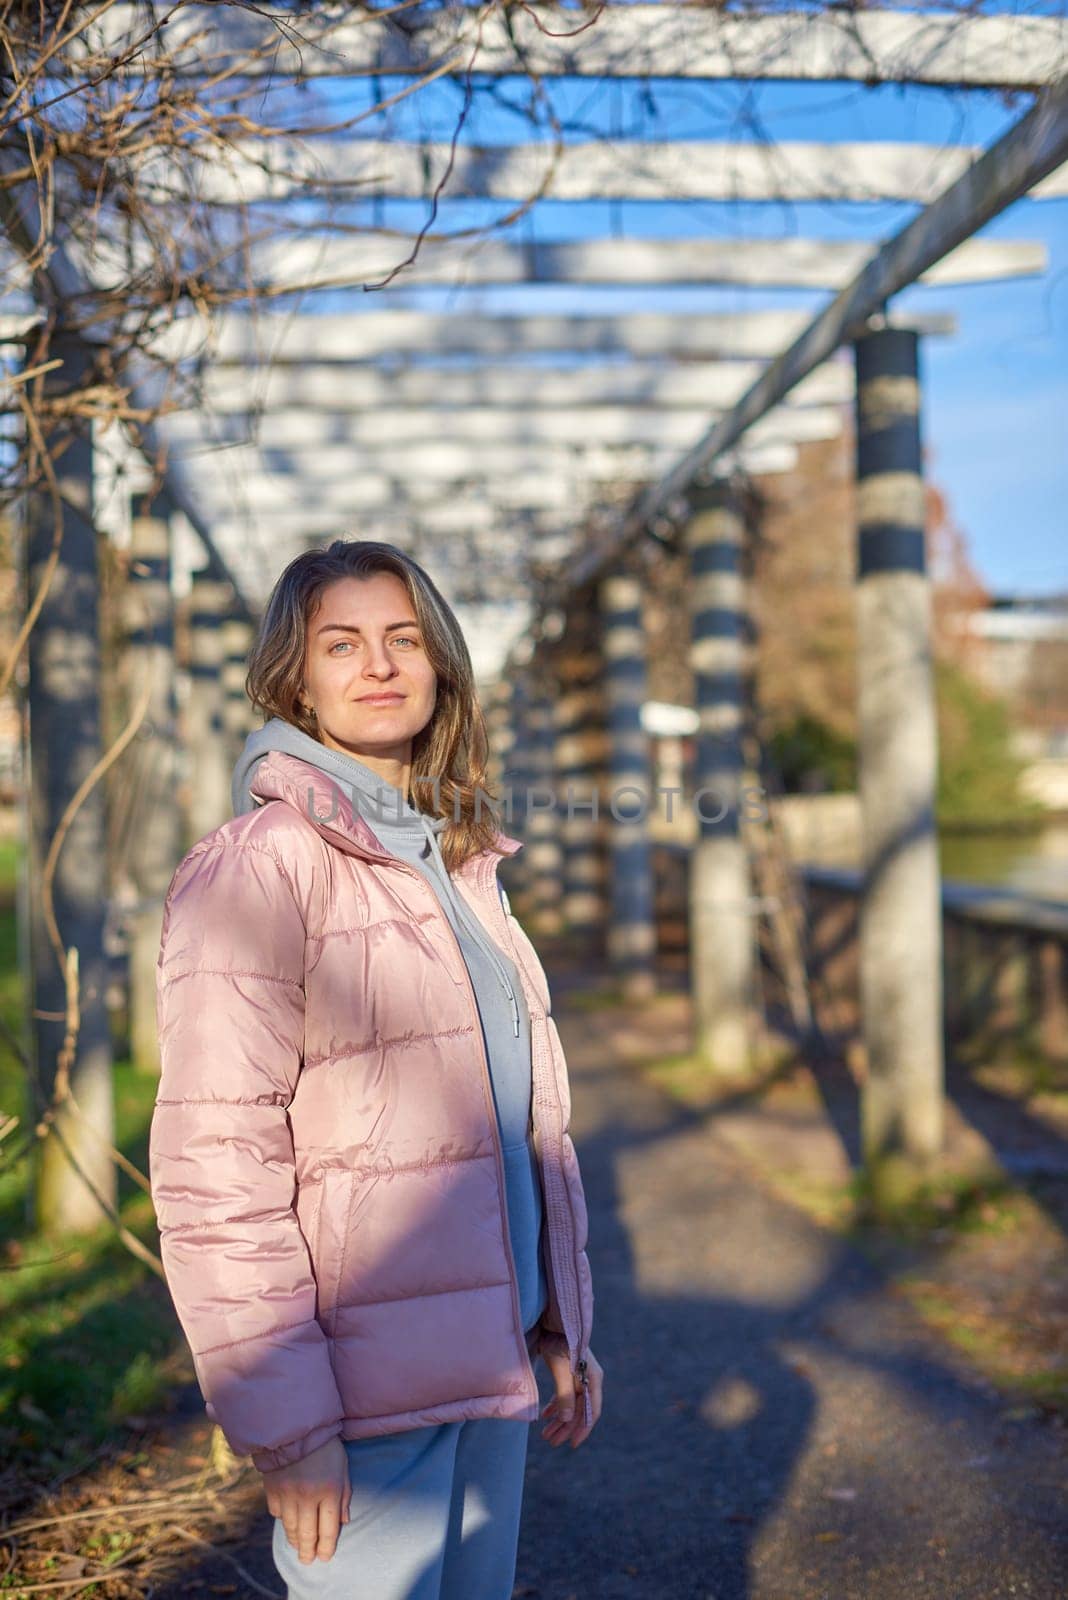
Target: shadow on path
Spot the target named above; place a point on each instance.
(778, 1425)
(777, 1422)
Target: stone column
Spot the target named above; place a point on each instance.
(154, 846)
(579, 755)
(65, 746)
(238, 716)
(631, 927)
(517, 785)
(496, 702)
(543, 846)
(723, 959)
(205, 731)
(900, 917)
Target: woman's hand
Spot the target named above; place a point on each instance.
(312, 1498)
(564, 1411)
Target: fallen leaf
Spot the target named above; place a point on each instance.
(67, 1566)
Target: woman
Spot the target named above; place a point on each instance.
(371, 1213)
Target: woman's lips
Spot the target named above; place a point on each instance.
(381, 700)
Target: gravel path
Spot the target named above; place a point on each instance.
(777, 1425)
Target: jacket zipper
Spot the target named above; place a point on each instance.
(487, 1089)
(558, 1201)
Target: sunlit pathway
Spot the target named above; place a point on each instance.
(777, 1424)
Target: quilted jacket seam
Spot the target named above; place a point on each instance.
(414, 1166)
(275, 1213)
(230, 972)
(363, 927)
(259, 1100)
(424, 1294)
(385, 1416)
(223, 845)
(265, 1333)
(389, 1044)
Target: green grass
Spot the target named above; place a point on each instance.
(948, 1202)
(592, 999)
(88, 1335)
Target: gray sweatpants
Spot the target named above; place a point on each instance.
(434, 1515)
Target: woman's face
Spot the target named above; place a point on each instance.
(364, 641)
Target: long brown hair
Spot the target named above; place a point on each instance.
(452, 747)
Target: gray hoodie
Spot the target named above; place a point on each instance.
(412, 836)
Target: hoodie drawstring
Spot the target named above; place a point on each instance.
(432, 826)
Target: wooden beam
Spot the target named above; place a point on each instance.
(259, 497)
(295, 431)
(306, 471)
(1034, 146)
(475, 519)
(332, 262)
(309, 469)
(625, 41)
(237, 340)
(874, 169)
(16, 328)
(450, 510)
(643, 384)
(223, 496)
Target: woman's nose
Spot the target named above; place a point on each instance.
(378, 662)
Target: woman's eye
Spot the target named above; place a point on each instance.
(334, 646)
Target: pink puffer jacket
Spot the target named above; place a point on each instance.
(324, 1154)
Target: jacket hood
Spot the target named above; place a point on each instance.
(327, 805)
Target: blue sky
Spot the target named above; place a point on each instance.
(995, 402)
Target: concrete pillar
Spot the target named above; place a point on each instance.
(722, 911)
(973, 1001)
(154, 844)
(495, 710)
(238, 720)
(579, 753)
(900, 915)
(544, 846)
(1053, 999)
(64, 662)
(205, 731)
(499, 708)
(1012, 985)
(517, 785)
(631, 927)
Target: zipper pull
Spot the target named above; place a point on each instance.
(587, 1404)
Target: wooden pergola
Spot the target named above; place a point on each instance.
(594, 438)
